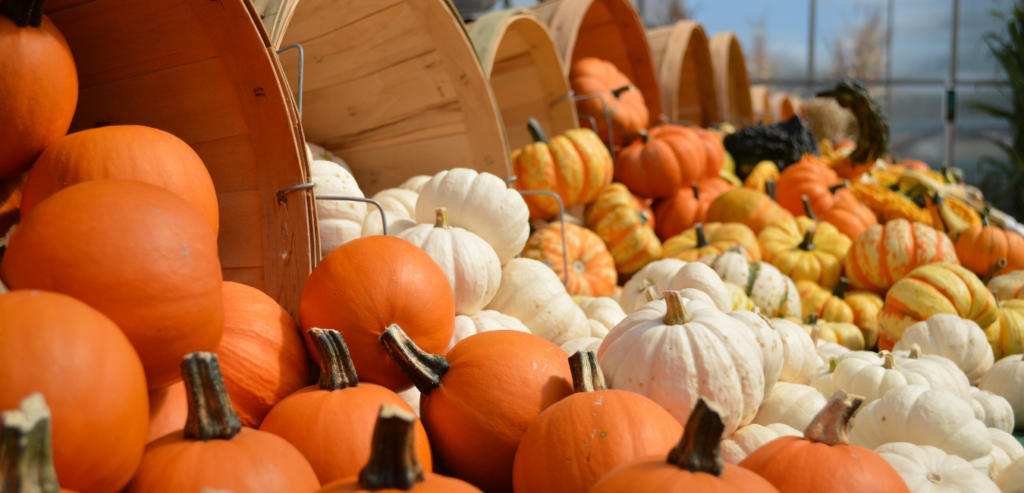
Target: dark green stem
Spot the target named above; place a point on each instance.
(837, 186)
(619, 90)
(210, 413)
(586, 373)
(812, 318)
(337, 371)
(840, 289)
(644, 136)
(696, 192)
(698, 451)
(23, 13)
(393, 463)
(807, 208)
(424, 369)
(702, 241)
(808, 243)
(26, 455)
(533, 126)
(769, 188)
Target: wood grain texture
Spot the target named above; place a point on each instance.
(731, 81)
(682, 59)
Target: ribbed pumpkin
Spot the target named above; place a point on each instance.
(1006, 334)
(980, 247)
(629, 427)
(711, 238)
(811, 177)
(857, 307)
(478, 400)
(1008, 286)
(849, 216)
(806, 249)
(214, 450)
(575, 165)
(890, 204)
(137, 253)
(759, 176)
(843, 333)
(694, 464)
(667, 158)
(623, 101)
(39, 82)
(935, 288)
(882, 255)
(772, 291)
(743, 205)
(687, 206)
(626, 225)
(90, 376)
(123, 152)
(591, 266)
(331, 423)
(369, 283)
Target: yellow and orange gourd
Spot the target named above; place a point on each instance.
(626, 225)
(591, 269)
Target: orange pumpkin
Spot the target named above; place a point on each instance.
(860, 308)
(882, 255)
(137, 253)
(849, 216)
(367, 284)
(743, 205)
(38, 82)
(980, 247)
(631, 426)
(624, 102)
(811, 177)
(687, 207)
(393, 465)
(478, 400)
(123, 152)
(711, 238)
(10, 201)
(592, 268)
(90, 377)
(823, 459)
(214, 450)
(26, 448)
(667, 158)
(694, 464)
(168, 409)
(915, 164)
(331, 423)
(626, 225)
(575, 165)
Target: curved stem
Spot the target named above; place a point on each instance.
(837, 186)
(393, 463)
(337, 371)
(210, 413)
(698, 450)
(441, 218)
(829, 426)
(997, 266)
(619, 90)
(24, 13)
(696, 192)
(807, 208)
(888, 361)
(702, 241)
(808, 243)
(675, 314)
(26, 454)
(536, 132)
(424, 369)
(769, 188)
(650, 293)
(840, 289)
(586, 373)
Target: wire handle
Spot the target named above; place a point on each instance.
(607, 117)
(302, 69)
(282, 196)
(561, 220)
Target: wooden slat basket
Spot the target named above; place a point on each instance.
(731, 81)
(682, 59)
(519, 57)
(205, 71)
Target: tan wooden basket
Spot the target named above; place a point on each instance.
(683, 61)
(608, 29)
(205, 72)
(519, 57)
(731, 81)
(760, 105)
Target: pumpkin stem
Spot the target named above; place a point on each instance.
(643, 217)
(834, 188)
(619, 90)
(698, 450)
(26, 456)
(393, 463)
(537, 133)
(888, 361)
(586, 373)
(840, 289)
(337, 371)
(832, 364)
(210, 413)
(769, 188)
(424, 369)
(915, 351)
(812, 318)
(696, 191)
(984, 217)
(702, 241)
(441, 218)
(808, 243)
(675, 314)
(650, 294)
(829, 426)
(997, 266)
(23, 12)
(644, 136)
(807, 208)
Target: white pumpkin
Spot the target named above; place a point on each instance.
(750, 438)
(927, 469)
(483, 321)
(740, 300)
(800, 359)
(533, 293)
(676, 355)
(415, 183)
(1011, 479)
(339, 221)
(772, 352)
(1005, 450)
(696, 275)
(872, 379)
(481, 203)
(656, 274)
(603, 313)
(828, 349)
(469, 263)
(1008, 286)
(993, 410)
(399, 207)
(315, 152)
(959, 340)
(923, 416)
(1006, 379)
(585, 343)
(792, 404)
(771, 290)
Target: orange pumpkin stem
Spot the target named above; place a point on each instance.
(840, 289)
(702, 240)
(441, 218)
(24, 13)
(536, 132)
(337, 371)
(675, 314)
(807, 208)
(424, 369)
(888, 361)
(586, 373)
(210, 413)
(769, 188)
(393, 463)
(26, 456)
(619, 90)
(830, 425)
(698, 450)
(808, 243)
(997, 266)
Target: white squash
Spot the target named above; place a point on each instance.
(469, 263)
(828, 349)
(993, 410)
(481, 203)
(315, 152)
(585, 343)
(1006, 379)
(603, 313)
(750, 438)
(927, 469)
(791, 404)
(415, 183)
(676, 355)
(483, 321)
(1011, 479)
(772, 352)
(1008, 286)
(872, 379)
(656, 274)
(961, 341)
(698, 276)
(1005, 450)
(800, 359)
(533, 293)
(688, 294)
(771, 290)
(923, 416)
(399, 207)
(339, 221)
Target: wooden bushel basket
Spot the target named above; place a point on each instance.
(205, 72)
(393, 87)
(608, 29)
(519, 57)
(731, 81)
(683, 61)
